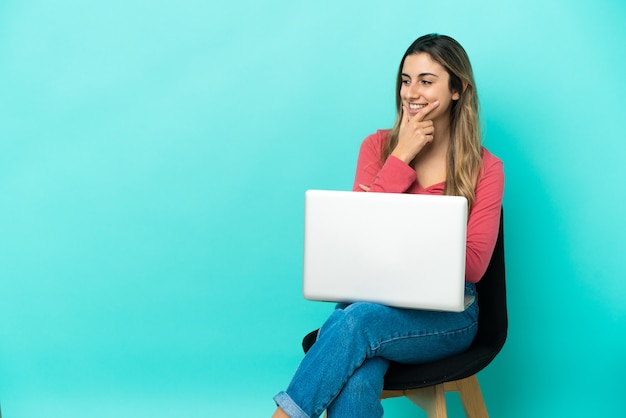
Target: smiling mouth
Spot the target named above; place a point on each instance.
(417, 106)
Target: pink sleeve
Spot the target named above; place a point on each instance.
(394, 176)
(484, 218)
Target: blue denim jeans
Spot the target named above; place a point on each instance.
(343, 371)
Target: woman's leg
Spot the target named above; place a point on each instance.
(360, 396)
(279, 413)
(363, 331)
(324, 370)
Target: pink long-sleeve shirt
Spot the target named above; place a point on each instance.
(394, 176)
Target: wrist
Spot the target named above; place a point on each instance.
(402, 156)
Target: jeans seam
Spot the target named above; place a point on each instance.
(373, 349)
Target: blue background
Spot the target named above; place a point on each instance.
(153, 161)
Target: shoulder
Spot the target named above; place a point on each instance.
(375, 141)
(490, 161)
(491, 175)
(378, 137)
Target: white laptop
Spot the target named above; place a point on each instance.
(401, 250)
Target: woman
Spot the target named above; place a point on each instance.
(435, 148)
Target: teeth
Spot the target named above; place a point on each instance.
(415, 106)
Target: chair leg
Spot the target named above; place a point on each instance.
(431, 399)
(472, 397)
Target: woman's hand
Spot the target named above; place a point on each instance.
(414, 134)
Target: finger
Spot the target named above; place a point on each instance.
(404, 119)
(424, 128)
(426, 110)
(364, 187)
(428, 129)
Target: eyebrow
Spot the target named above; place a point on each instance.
(420, 75)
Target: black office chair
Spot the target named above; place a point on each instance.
(426, 384)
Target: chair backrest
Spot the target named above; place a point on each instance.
(493, 317)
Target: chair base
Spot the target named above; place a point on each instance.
(432, 398)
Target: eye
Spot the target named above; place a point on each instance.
(406, 82)
(426, 82)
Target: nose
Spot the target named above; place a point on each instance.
(414, 90)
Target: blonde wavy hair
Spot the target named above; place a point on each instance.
(464, 151)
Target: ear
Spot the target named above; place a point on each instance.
(456, 95)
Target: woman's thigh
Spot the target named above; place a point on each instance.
(410, 336)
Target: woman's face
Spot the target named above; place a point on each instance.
(425, 81)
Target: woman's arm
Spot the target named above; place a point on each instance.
(484, 218)
(394, 176)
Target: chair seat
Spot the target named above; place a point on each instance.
(403, 376)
